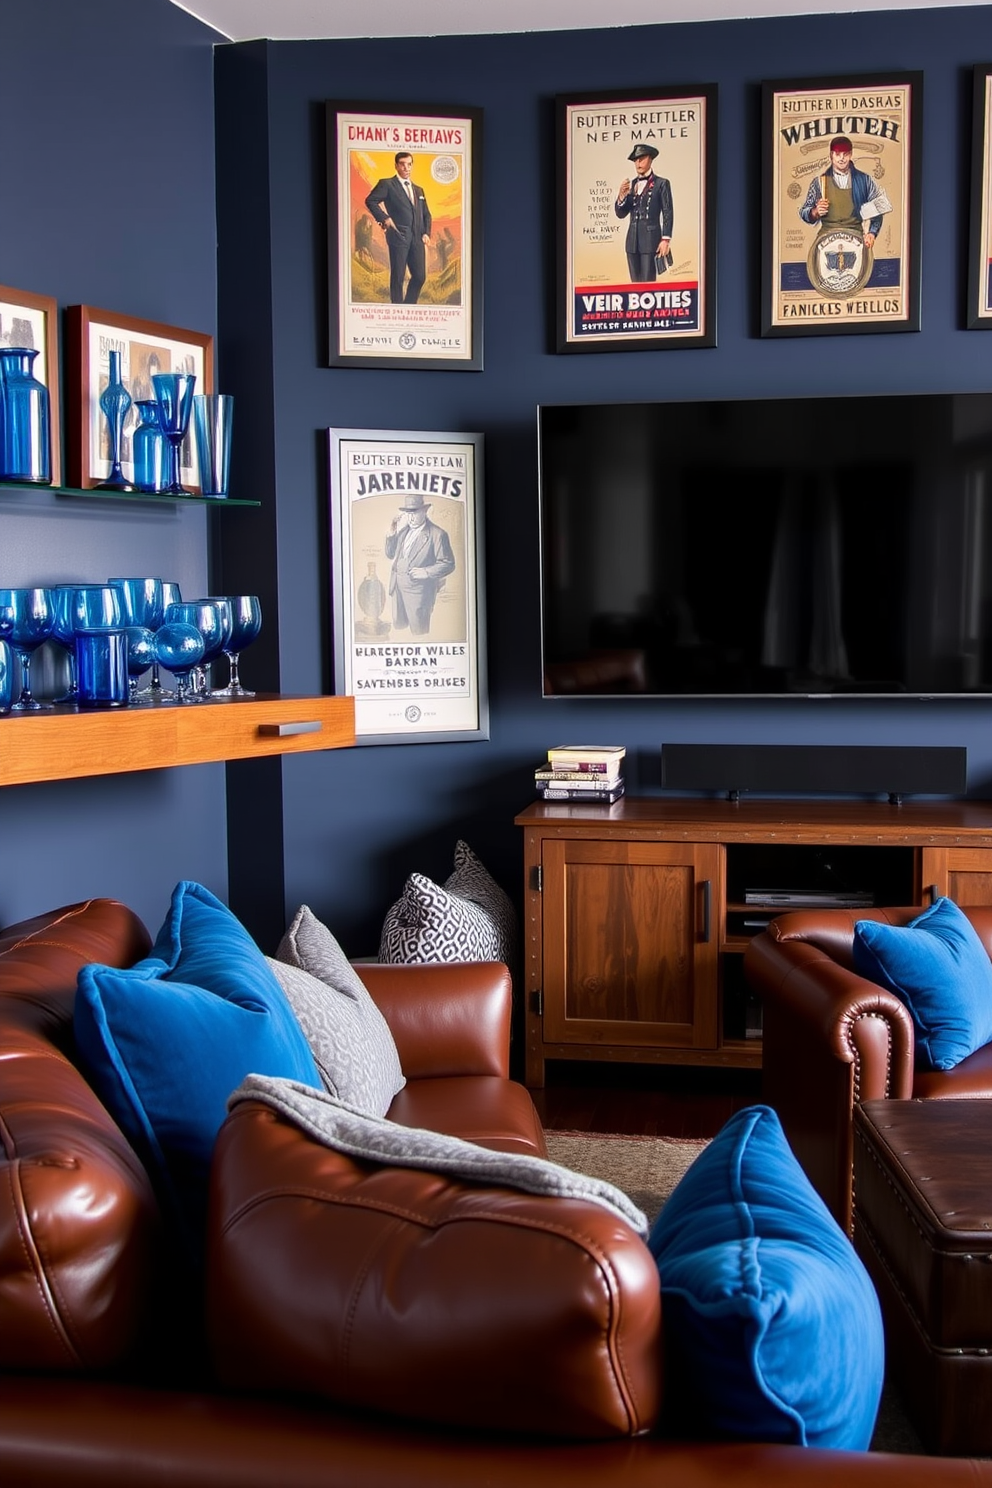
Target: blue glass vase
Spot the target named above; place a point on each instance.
(115, 402)
(25, 427)
(150, 447)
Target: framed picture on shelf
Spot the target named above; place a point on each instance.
(146, 347)
(636, 223)
(404, 193)
(408, 593)
(841, 172)
(31, 320)
(979, 317)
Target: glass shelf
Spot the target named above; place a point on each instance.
(143, 496)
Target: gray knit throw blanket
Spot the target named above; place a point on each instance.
(373, 1139)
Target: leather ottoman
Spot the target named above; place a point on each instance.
(923, 1227)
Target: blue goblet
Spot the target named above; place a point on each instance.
(246, 614)
(178, 647)
(140, 656)
(213, 621)
(174, 395)
(143, 606)
(32, 623)
(6, 677)
(171, 594)
(64, 632)
(6, 658)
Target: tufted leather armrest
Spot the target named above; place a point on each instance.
(830, 1039)
(79, 1226)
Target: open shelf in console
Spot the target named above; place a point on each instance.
(769, 879)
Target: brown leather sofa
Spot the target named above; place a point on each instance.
(109, 1376)
(832, 1039)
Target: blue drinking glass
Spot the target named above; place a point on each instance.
(64, 632)
(98, 622)
(140, 656)
(144, 607)
(174, 395)
(6, 677)
(246, 613)
(141, 600)
(6, 658)
(209, 618)
(96, 607)
(179, 648)
(32, 624)
(171, 594)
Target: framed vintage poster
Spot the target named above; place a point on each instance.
(404, 188)
(841, 175)
(146, 348)
(31, 320)
(979, 316)
(408, 604)
(635, 214)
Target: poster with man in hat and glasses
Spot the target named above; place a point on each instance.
(407, 583)
(636, 258)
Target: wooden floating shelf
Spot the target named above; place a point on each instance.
(69, 744)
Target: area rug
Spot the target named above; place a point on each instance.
(647, 1169)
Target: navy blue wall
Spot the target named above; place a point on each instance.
(356, 823)
(89, 217)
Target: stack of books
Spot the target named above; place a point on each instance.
(590, 773)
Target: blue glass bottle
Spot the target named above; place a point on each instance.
(115, 401)
(151, 451)
(25, 428)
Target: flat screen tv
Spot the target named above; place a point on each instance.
(768, 547)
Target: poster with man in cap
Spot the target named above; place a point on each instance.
(634, 271)
(422, 559)
(646, 202)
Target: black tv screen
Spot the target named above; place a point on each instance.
(751, 547)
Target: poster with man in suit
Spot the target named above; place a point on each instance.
(407, 580)
(406, 291)
(636, 220)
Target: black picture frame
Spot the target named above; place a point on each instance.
(440, 328)
(978, 316)
(600, 305)
(829, 280)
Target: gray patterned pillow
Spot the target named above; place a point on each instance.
(468, 918)
(351, 1043)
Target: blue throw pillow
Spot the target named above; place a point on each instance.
(165, 1042)
(939, 968)
(773, 1332)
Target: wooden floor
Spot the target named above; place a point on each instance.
(654, 1101)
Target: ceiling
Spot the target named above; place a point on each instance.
(299, 20)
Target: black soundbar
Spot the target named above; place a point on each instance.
(860, 770)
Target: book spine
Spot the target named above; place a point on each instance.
(575, 777)
(583, 766)
(592, 797)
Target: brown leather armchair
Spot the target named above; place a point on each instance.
(832, 1039)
